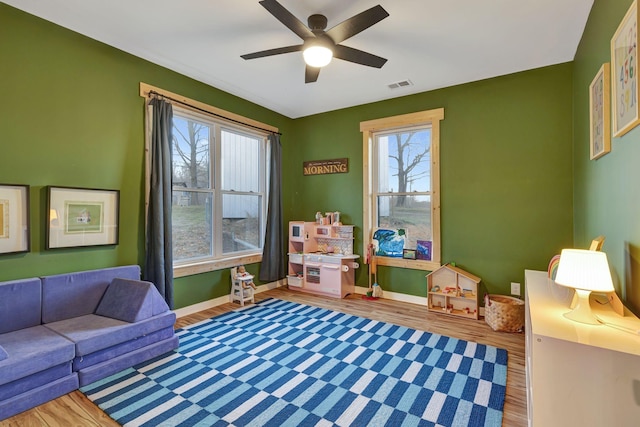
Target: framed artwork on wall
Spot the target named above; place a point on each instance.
(389, 242)
(600, 113)
(14, 219)
(624, 76)
(82, 217)
(423, 250)
(409, 253)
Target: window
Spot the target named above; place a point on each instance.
(219, 189)
(402, 181)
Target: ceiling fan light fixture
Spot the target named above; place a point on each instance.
(320, 46)
(317, 56)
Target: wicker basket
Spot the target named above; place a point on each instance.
(503, 313)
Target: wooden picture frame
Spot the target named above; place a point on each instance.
(409, 253)
(14, 219)
(624, 76)
(78, 217)
(600, 113)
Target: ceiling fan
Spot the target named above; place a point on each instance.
(319, 46)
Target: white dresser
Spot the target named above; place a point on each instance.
(577, 374)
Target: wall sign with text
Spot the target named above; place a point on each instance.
(322, 167)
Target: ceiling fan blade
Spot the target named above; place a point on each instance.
(287, 18)
(311, 74)
(357, 23)
(358, 56)
(271, 52)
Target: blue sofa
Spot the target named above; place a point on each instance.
(59, 333)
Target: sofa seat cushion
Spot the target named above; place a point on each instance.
(127, 360)
(33, 350)
(37, 396)
(93, 333)
(22, 385)
(81, 362)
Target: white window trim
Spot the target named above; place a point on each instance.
(200, 266)
(368, 128)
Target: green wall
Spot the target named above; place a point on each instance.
(607, 195)
(71, 116)
(506, 175)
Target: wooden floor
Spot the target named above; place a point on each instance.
(74, 409)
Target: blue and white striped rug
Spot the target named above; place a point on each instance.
(278, 363)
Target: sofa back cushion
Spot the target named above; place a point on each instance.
(77, 294)
(20, 304)
(131, 301)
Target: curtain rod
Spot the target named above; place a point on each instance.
(153, 92)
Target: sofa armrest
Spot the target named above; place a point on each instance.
(131, 301)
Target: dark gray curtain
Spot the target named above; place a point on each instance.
(158, 266)
(273, 265)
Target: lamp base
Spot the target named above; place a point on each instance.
(582, 311)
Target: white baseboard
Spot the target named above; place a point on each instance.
(201, 306)
(394, 296)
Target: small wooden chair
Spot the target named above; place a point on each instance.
(240, 290)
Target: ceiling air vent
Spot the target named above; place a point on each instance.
(400, 84)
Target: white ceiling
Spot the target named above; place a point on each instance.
(432, 43)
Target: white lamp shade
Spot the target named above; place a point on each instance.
(317, 56)
(584, 269)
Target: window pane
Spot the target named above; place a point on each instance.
(404, 161)
(219, 185)
(412, 213)
(191, 225)
(190, 153)
(240, 222)
(240, 162)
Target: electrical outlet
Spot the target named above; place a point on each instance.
(515, 288)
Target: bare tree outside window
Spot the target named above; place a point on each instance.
(410, 158)
(404, 182)
(191, 153)
(192, 201)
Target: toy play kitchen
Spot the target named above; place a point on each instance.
(321, 259)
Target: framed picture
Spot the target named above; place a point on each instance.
(82, 217)
(423, 250)
(14, 219)
(600, 113)
(409, 253)
(624, 76)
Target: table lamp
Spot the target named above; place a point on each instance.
(585, 271)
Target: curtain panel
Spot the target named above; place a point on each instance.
(273, 262)
(158, 267)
